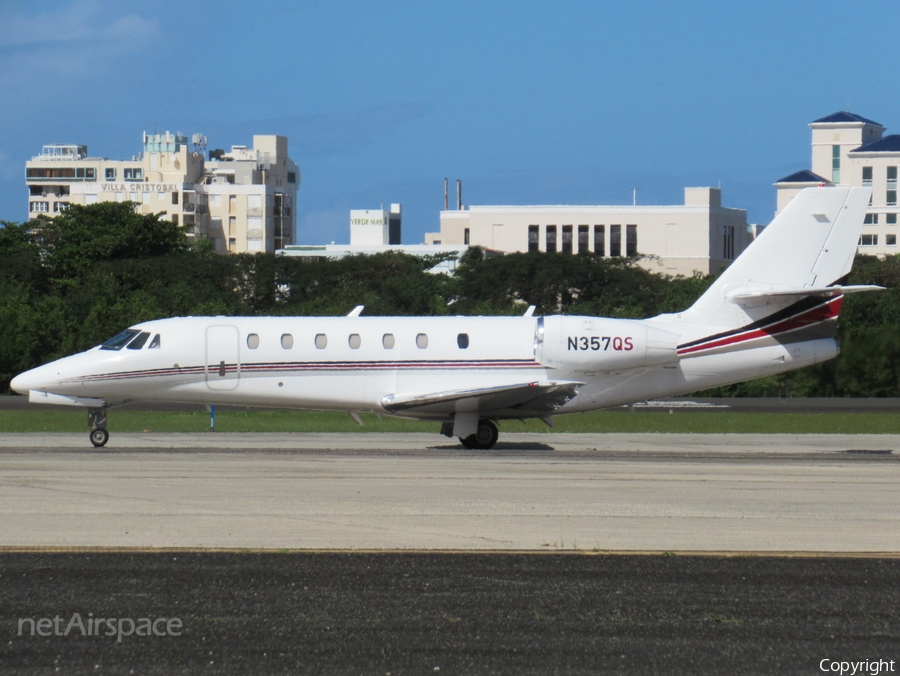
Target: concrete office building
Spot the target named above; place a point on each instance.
(699, 236)
(242, 200)
(374, 231)
(848, 149)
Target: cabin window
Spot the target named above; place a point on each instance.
(462, 340)
(422, 341)
(154, 344)
(355, 341)
(321, 341)
(138, 342)
(120, 340)
(388, 341)
(252, 340)
(287, 341)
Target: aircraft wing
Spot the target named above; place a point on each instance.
(534, 397)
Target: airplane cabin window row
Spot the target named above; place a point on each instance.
(321, 341)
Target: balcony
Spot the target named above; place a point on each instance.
(33, 174)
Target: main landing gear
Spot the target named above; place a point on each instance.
(484, 438)
(97, 421)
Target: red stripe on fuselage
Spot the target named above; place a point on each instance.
(816, 315)
(268, 367)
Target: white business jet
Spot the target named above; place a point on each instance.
(774, 309)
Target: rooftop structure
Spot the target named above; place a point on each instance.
(849, 149)
(374, 231)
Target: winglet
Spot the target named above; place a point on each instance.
(530, 311)
(357, 311)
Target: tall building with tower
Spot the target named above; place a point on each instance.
(849, 149)
(242, 200)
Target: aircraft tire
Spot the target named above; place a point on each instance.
(484, 438)
(99, 437)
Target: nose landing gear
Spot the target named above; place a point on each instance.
(97, 420)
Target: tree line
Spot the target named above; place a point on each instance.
(69, 283)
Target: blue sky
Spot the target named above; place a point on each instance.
(526, 102)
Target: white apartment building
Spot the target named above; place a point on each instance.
(699, 236)
(848, 149)
(242, 200)
(376, 227)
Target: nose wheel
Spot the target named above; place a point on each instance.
(97, 420)
(484, 438)
(99, 437)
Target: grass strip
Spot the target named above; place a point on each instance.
(695, 422)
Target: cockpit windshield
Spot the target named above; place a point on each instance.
(120, 340)
(138, 342)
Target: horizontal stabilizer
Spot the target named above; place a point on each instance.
(747, 297)
(535, 397)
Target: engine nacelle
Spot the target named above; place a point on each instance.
(595, 344)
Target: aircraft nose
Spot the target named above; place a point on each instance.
(24, 382)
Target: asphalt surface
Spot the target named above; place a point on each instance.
(389, 613)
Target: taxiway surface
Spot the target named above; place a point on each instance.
(633, 492)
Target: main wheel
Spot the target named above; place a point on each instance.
(99, 436)
(485, 436)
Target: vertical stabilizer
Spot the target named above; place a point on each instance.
(811, 244)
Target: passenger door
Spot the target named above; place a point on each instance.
(223, 365)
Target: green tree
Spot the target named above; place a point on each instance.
(20, 255)
(389, 283)
(83, 236)
(563, 283)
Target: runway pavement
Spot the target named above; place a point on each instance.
(568, 553)
(545, 492)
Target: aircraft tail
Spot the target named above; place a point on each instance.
(795, 270)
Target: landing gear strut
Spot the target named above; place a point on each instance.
(97, 421)
(485, 436)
